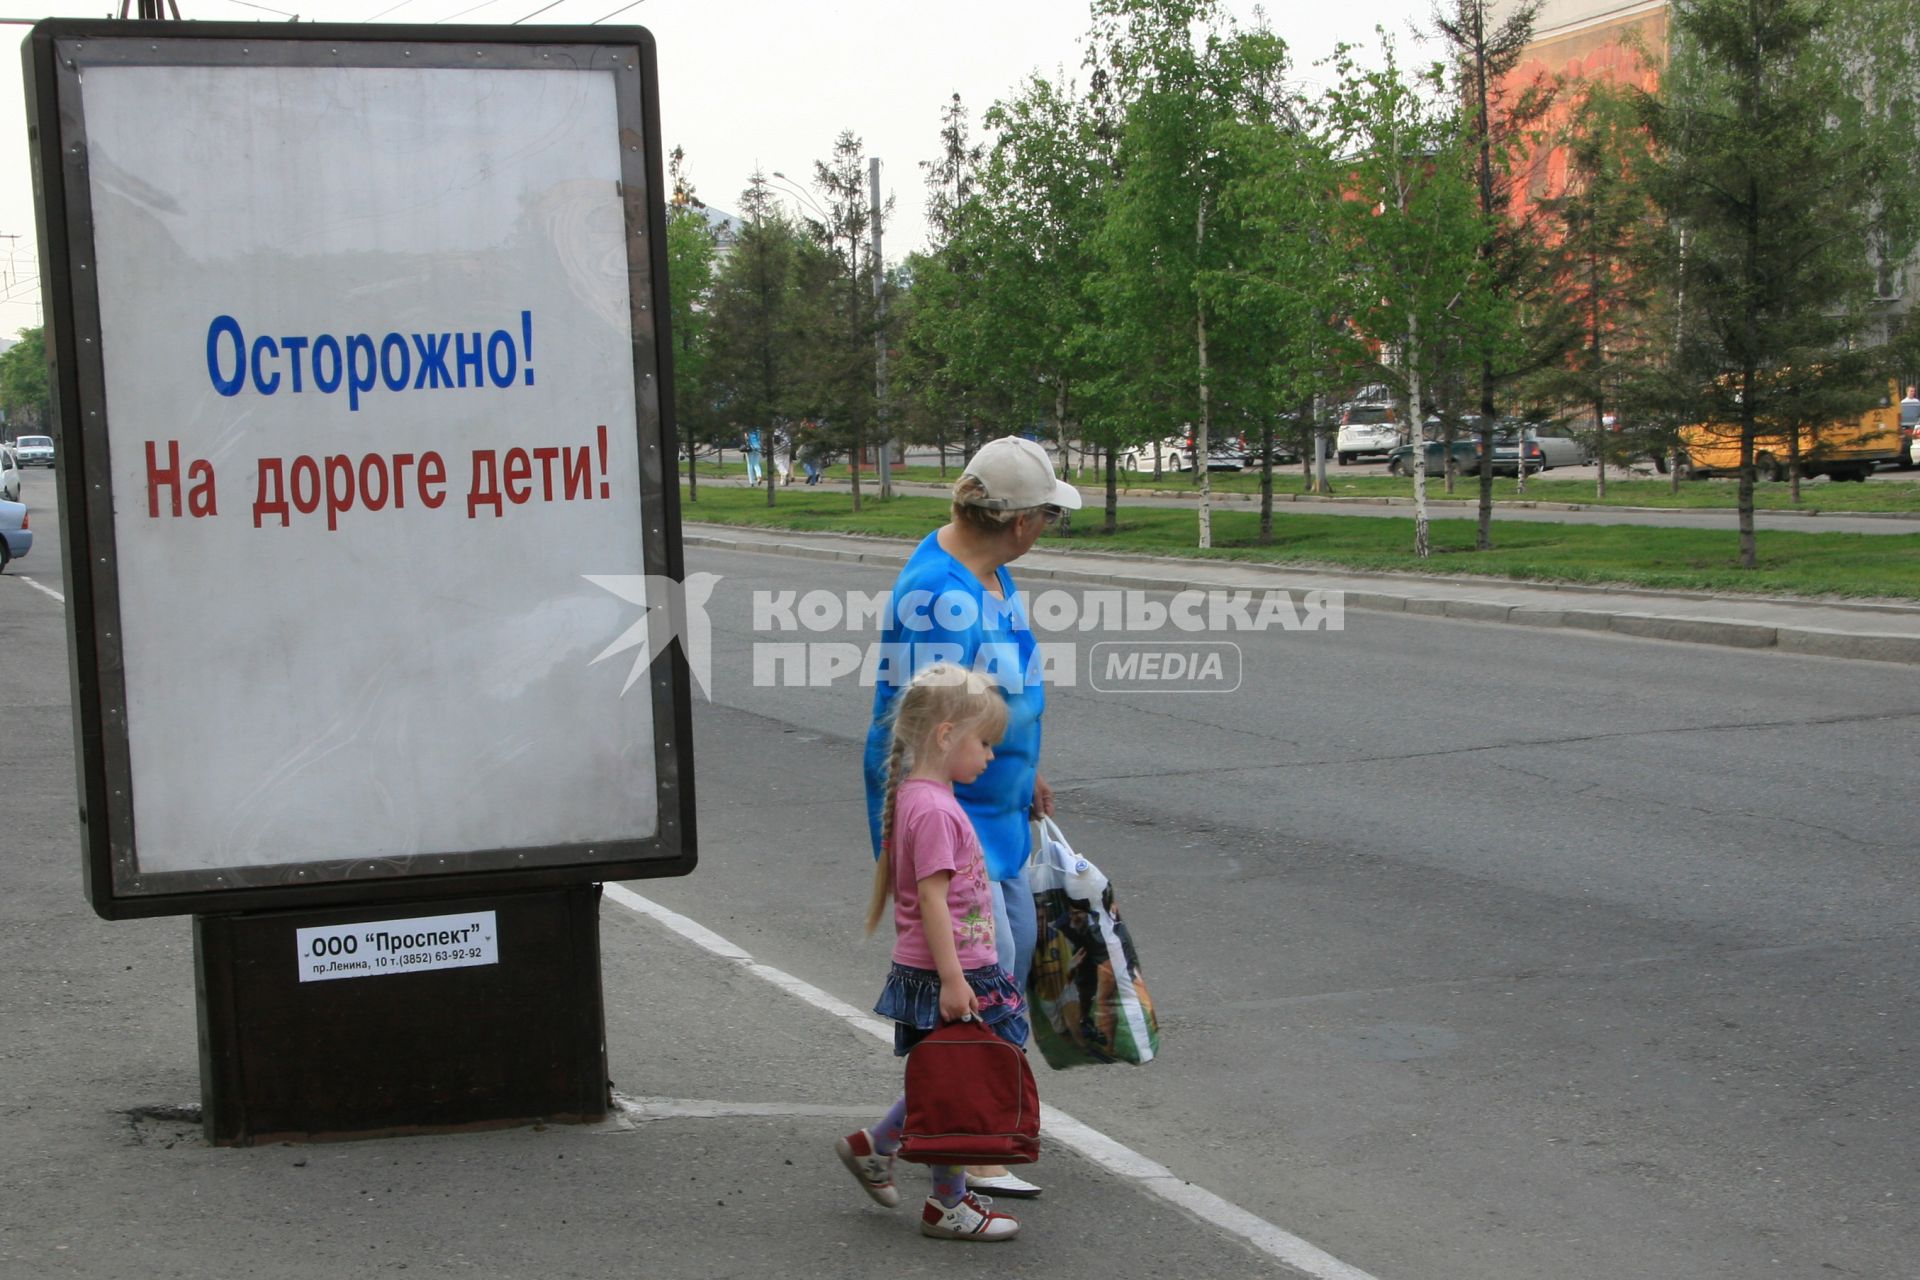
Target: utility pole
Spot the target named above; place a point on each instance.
(880, 336)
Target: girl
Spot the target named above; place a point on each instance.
(945, 967)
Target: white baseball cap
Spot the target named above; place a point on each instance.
(1017, 476)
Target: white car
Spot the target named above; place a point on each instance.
(34, 451)
(9, 475)
(1176, 454)
(1367, 426)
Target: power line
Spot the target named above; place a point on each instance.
(464, 12)
(389, 9)
(248, 4)
(537, 12)
(617, 12)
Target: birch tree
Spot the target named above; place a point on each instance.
(1182, 71)
(1412, 226)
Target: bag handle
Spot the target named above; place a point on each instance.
(1055, 849)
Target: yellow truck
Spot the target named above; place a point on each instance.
(1846, 450)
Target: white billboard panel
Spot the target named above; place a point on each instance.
(368, 353)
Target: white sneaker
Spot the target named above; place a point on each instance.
(873, 1170)
(968, 1220)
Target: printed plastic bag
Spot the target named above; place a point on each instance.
(1086, 999)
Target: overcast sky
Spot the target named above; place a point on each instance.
(742, 82)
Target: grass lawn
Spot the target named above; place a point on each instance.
(1790, 563)
(1822, 495)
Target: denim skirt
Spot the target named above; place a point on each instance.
(911, 999)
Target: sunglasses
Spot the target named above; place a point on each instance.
(1050, 515)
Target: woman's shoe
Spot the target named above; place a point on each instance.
(1004, 1184)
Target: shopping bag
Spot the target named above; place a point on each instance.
(1085, 996)
(970, 1100)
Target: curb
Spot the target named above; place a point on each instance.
(1822, 642)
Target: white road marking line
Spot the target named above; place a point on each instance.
(37, 587)
(1110, 1155)
(712, 1109)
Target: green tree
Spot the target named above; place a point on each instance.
(1766, 179)
(1413, 227)
(1601, 304)
(1286, 284)
(843, 316)
(23, 382)
(691, 249)
(933, 400)
(1500, 124)
(1000, 300)
(1169, 351)
(753, 336)
(1043, 190)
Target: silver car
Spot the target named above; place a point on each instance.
(9, 475)
(1545, 449)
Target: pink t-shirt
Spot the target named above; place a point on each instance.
(931, 834)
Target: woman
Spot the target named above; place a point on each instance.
(955, 602)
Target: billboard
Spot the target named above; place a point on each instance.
(362, 387)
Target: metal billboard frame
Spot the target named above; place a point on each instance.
(55, 53)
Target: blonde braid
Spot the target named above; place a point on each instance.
(883, 868)
(943, 693)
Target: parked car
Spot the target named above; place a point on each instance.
(1546, 448)
(9, 475)
(16, 538)
(1367, 427)
(1176, 454)
(34, 451)
(1910, 431)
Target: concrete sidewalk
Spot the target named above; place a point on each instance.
(1879, 632)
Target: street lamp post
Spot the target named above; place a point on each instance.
(880, 336)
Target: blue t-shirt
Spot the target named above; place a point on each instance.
(942, 613)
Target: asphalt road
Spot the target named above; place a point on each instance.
(1482, 953)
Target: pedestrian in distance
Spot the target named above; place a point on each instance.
(933, 876)
(812, 450)
(753, 457)
(1005, 498)
(783, 456)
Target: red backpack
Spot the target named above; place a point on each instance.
(970, 1100)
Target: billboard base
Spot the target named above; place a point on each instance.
(431, 1016)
